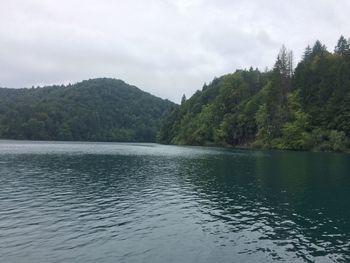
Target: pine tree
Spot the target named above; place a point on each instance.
(342, 46)
(307, 53)
(284, 70)
(290, 63)
(318, 49)
(183, 99)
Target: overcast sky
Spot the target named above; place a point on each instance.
(166, 47)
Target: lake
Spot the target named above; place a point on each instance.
(114, 202)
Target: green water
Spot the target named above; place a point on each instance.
(110, 202)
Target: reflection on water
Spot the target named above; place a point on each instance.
(108, 202)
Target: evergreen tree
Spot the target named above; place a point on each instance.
(318, 49)
(307, 53)
(342, 46)
(183, 99)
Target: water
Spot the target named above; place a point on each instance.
(109, 202)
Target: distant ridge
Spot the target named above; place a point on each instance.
(101, 109)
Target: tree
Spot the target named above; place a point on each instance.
(183, 99)
(295, 133)
(318, 49)
(290, 63)
(342, 46)
(307, 53)
(284, 63)
(281, 85)
(264, 127)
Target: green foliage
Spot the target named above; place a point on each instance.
(295, 132)
(330, 140)
(262, 118)
(96, 110)
(342, 46)
(222, 113)
(338, 140)
(303, 109)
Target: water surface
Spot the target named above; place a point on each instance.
(111, 202)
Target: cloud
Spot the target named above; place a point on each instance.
(164, 47)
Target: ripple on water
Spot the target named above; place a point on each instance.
(108, 202)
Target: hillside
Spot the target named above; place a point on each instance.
(94, 110)
(303, 109)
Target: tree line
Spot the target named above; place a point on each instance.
(92, 110)
(301, 108)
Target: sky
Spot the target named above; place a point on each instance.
(165, 47)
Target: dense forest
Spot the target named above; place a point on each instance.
(301, 108)
(96, 110)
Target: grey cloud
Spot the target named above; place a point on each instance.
(165, 47)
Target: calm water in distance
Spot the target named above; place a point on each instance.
(112, 202)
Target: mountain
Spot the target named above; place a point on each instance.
(303, 109)
(96, 110)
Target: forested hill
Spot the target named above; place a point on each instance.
(303, 109)
(97, 110)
